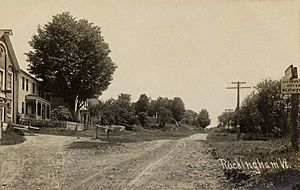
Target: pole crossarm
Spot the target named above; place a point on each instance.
(241, 87)
(238, 82)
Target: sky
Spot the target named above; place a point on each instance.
(191, 49)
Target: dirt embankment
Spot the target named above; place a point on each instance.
(259, 159)
(55, 162)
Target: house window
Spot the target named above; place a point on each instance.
(26, 84)
(33, 88)
(9, 106)
(1, 80)
(9, 81)
(23, 83)
(22, 107)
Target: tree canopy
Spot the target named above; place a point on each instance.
(177, 108)
(72, 59)
(124, 110)
(142, 104)
(203, 119)
(141, 109)
(164, 111)
(190, 117)
(144, 111)
(265, 110)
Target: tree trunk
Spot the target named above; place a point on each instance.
(294, 123)
(176, 123)
(107, 133)
(71, 100)
(285, 123)
(162, 124)
(74, 106)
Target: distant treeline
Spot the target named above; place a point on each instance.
(122, 111)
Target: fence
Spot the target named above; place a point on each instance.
(51, 123)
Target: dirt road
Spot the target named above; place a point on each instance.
(55, 162)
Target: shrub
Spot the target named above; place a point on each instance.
(61, 113)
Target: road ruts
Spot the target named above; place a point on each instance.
(47, 162)
(117, 174)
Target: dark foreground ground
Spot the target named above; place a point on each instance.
(141, 159)
(224, 146)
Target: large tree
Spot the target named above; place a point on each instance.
(71, 58)
(265, 110)
(250, 116)
(153, 108)
(107, 112)
(141, 109)
(124, 111)
(190, 117)
(272, 107)
(203, 119)
(164, 111)
(177, 108)
(142, 104)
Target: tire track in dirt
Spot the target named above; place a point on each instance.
(144, 176)
(133, 169)
(113, 163)
(120, 172)
(8, 170)
(16, 171)
(11, 167)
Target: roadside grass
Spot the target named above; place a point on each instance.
(150, 135)
(10, 138)
(93, 145)
(139, 134)
(225, 146)
(64, 132)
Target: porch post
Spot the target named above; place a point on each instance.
(36, 109)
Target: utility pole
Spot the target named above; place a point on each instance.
(290, 85)
(238, 87)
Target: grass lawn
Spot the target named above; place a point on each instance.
(10, 138)
(139, 134)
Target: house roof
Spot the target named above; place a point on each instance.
(93, 101)
(5, 33)
(29, 75)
